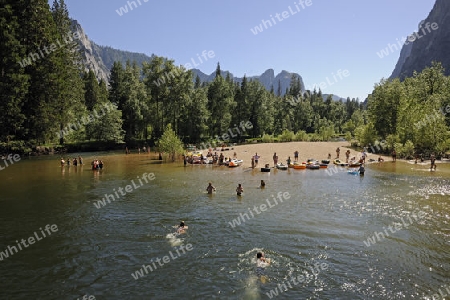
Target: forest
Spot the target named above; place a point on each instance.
(52, 99)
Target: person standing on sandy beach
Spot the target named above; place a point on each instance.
(337, 152)
(347, 155)
(296, 155)
(256, 159)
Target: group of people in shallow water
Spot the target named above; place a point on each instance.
(72, 161)
(96, 164)
(239, 189)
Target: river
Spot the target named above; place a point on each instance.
(329, 235)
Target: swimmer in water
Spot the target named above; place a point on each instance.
(261, 264)
(263, 184)
(181, 228)
(210, 188)
(239, 190)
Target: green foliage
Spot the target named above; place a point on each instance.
(170, 143)
(407, 150)
(106, 125)
(348, 137)
(286, 136)
(301, 136)
(413, 111)
(392, 140)
(49, 95)
(366, 134)
(267, 138)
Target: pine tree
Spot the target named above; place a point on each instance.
(69, 98)
(38, 32)
(91, 90)
(14, 81)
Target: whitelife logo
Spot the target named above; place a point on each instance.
(263, 207)
(266, 24)
(165, 260)
(31, 240)
(398, 226)
(128, 189)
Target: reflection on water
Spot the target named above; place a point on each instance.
(325, 221)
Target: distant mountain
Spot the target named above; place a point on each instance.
(267, 79)
(429, 45)
(100, 59)
(334, 97)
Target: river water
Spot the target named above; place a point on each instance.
(316, 229)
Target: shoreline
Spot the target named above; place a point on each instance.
(307, 150)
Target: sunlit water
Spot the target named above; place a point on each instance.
(324, 222)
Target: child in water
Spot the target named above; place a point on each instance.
(210, 188)
(263, 184)
(239, 190)
(181, 228)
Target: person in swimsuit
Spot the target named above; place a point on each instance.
(256, 158)
(210, 188)
(239, 190)
(361, 169)
(181, 228)
(433, 162)
(261, 264)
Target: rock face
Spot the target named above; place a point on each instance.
(90, 56)
(432, 45)
(100, 59)
(404, 54)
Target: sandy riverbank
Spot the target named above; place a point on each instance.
(317, 150)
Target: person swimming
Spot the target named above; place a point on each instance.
(181, 228)
(239, 190)
(261, 264)
(263, 184)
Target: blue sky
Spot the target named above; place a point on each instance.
(315, 41)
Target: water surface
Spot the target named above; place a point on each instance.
(326, 220)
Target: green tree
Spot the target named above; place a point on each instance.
(383, 106)
(91, 90)
(14, 81)
(106, 124)
(170, 143)
(68, 99)
(366, 134)
(220, 105)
